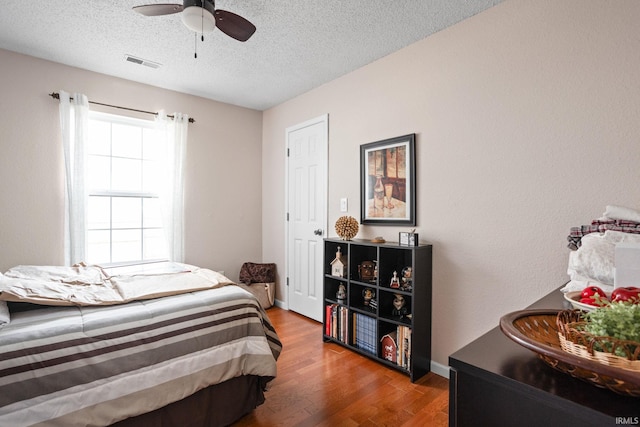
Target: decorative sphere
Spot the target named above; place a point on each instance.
(347, 227)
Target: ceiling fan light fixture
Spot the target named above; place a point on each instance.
(201, 16)
(198, 19)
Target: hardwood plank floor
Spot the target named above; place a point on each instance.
(324, 384)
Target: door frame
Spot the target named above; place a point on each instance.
(320, 119)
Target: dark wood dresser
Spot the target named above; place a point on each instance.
(496, 382)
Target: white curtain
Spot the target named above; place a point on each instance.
(74, 123)
(172, 196)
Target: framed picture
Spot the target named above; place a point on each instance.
(387, 182)
(408, 239)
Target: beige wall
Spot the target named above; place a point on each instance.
(527, 123)
(223, 197)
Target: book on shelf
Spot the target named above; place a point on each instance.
(336, 325)
(327, 322)
(365, 337)
(404, 346)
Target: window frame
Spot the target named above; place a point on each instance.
(111, 194)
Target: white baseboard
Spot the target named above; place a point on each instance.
(440, 369)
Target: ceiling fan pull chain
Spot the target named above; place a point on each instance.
(202, 22)
(195, 45)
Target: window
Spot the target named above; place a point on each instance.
(124, 182)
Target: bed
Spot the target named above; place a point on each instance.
(173, 346)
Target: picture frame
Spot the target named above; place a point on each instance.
(388, 181)
(406, 238)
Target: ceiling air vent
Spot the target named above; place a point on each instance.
(140, 61)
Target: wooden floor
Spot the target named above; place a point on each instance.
(324, 384)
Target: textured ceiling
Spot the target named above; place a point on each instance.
(298, 45)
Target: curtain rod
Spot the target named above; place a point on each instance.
(56, 95)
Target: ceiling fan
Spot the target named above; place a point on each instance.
(201, 16)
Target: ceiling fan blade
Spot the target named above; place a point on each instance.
(234, 25)
(158, 9)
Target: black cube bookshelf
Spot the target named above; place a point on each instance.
(379, 305)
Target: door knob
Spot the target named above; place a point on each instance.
(318, 232)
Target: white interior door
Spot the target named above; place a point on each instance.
(307, 152)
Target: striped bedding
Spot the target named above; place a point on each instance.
(93, 366)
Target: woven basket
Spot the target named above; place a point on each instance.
(537, 330)
(574, 340)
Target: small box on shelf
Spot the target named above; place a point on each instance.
(408, 238)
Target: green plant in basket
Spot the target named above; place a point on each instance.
(620, 320)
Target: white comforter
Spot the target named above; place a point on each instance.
(94, 285)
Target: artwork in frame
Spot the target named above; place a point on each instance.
(387, 181)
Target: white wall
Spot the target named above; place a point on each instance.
(527, 123)
(223, 195)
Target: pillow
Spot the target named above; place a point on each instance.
(252, 272)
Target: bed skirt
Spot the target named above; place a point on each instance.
(215, 406)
